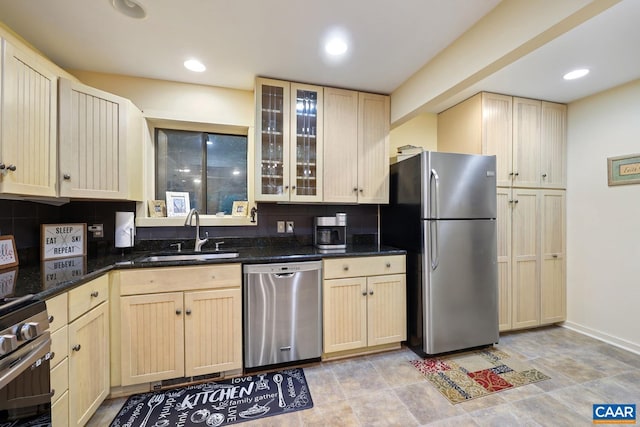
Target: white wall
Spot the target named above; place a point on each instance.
(603, 223)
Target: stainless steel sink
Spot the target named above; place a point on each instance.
(189, 257)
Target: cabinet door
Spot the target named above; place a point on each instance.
(340, 175)
(88, 364)
(526, 142)
(213, 331)
(344, 314)
(93, 134)
(29, 125)
(386, 309)
(373, 148)
(272, 140)
(497, 134)
(306, 143)
(553, 277)
(503, 220)
(152, 342)
(553, 148)
(526, 264)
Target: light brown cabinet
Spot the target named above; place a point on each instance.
(289, 119)
(79, 324)
(527, 136)
(28, 134)
(356, 148)
(99, 132)
(364, 304)
(178, 322)
(531, 258)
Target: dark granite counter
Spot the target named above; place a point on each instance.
(56, 276)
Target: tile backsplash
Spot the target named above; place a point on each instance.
(22, 219)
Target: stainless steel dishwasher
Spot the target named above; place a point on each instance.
(282, 313)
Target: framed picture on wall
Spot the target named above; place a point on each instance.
(8, 254)
(623, 170)
(178, 203)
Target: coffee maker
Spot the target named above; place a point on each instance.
(330, 232)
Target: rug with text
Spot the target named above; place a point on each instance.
(464, 376)
(218, 403)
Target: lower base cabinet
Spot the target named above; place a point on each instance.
(364, 303)
(194, 330)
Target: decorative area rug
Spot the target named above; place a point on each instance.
(218, 403)
(464, 376)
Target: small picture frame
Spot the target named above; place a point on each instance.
(157, 208)
(63, 240)
(178, 203)
(240, 208)
(622, 170)
(8, 254)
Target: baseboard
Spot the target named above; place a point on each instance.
(609, 339)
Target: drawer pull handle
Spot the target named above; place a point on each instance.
(95, 294)
(371, 292)
(188, 312)
(388, 265)
(53, 392)
(555, 255)
(76, 347)
(51, 319)
(345, 268)
(178, 312)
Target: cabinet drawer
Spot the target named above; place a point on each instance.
(171, 279)
(363, 266)
(60, 379)
(60, 411)
(57, 311)
(59, 345)
(88, 296)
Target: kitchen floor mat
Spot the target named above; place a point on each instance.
(464, 376)
(218, 403)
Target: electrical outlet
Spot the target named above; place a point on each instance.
(289, 226)
(280, 226)
(96, 229)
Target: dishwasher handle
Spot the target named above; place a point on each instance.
(284, 274)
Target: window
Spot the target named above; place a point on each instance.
(211, 167)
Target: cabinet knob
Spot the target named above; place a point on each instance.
(95, 294)
(355, 189)
(178, 312)
(515, 201)
(51, 319)
(544, 175)
(76, 347)
(361, 190)
(371, 292)
(66, 176)
(511, 174)
(516, 174)
(555, 255)
(364, 293)
(345, 268)
(12, 168)
(2, 166)
(293, 188)
(510, 201)
(187, 312)
(388, 265)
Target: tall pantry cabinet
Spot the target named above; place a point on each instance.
(528, 138)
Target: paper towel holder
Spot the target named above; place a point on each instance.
(125, 230)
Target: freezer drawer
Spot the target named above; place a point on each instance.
(282, 313)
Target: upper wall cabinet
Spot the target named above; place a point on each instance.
(527, 136)
(28, 132)
(96, 131)
(288, 142)
(356, 147)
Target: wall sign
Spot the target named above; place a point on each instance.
(624, 169)
(8, 256)
(63, 240)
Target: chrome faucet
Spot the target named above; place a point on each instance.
(199, 242)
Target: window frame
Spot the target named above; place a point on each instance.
(142, 215)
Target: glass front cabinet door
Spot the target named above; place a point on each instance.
(288, 129)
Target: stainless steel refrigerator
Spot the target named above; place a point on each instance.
(442, 210)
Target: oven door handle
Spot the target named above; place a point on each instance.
(28, 355)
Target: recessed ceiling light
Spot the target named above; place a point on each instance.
(194, 65)
(576, 74)
(131, 8)
(336, 46)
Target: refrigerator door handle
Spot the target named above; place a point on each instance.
(433, 238)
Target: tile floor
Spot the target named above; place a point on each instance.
(385, 390)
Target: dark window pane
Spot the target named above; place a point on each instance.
(226, 172)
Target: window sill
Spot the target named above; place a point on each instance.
(205, 221)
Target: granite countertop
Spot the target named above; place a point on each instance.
(56, 276)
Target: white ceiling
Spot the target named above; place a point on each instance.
(239, 39)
